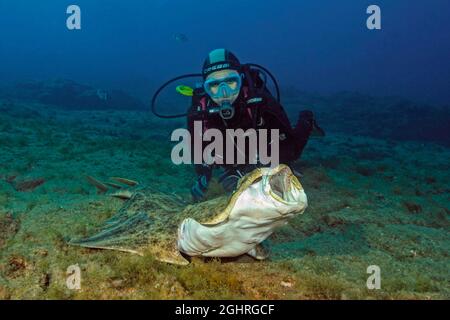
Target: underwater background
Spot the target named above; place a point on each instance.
(76, 103)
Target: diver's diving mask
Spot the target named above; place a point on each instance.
(224, 91)
(224, 87)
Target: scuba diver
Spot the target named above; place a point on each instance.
(235, 96)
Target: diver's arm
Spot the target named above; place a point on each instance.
(302, 131)
(295, 138)
(273, 107)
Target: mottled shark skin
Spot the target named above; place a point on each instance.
(162, 225)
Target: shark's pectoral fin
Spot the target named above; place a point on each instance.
(177, 259)
(129, 235)
(132, 234)
(170, 254)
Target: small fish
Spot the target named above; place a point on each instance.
(128, 182)
(102, 94)
(101, 187)
(180, 37)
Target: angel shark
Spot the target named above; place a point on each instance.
(227, 226)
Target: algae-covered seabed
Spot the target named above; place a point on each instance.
(371, 202)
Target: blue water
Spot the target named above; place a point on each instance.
(377, 183)
(322, 46)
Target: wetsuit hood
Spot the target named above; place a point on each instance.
(220, 59)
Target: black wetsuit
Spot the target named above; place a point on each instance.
(267, 114)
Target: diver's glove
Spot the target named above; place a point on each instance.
(307, 122)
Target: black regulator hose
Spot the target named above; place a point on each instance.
(153, 104)
(192, 75)
(277, 88)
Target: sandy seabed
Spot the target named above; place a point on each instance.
(371, 202)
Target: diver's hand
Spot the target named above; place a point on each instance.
(199, 188)
(307, 123)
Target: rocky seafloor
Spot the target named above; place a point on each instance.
(372, 201)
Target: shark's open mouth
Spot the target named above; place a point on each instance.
(283, 185)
